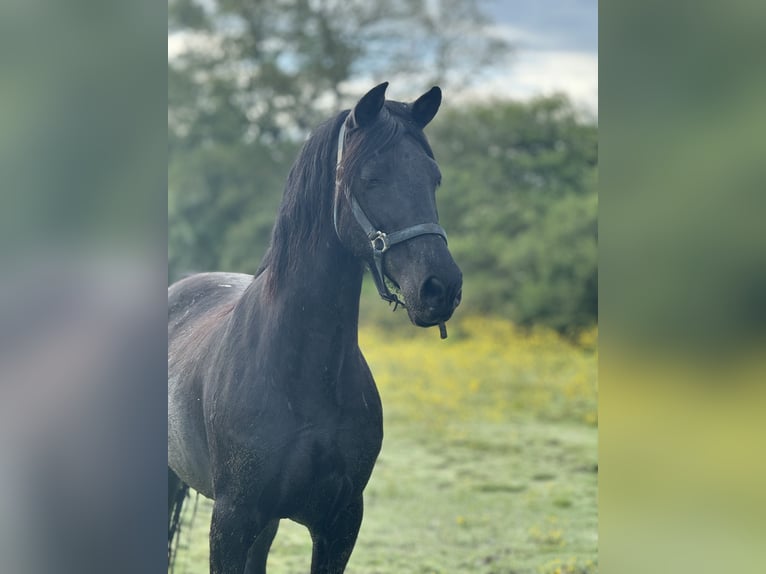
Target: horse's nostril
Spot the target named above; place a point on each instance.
(432, 292)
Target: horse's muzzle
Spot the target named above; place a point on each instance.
(438, 299)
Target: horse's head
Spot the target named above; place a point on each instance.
(385, 203)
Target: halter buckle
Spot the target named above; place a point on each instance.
(379, 242)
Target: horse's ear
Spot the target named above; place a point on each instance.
(368, 107)
(425, 107)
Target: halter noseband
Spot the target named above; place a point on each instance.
(379, 240)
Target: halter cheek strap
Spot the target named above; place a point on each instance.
(379, 240)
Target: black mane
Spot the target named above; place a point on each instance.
(307, 202)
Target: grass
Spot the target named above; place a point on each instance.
(489, 462)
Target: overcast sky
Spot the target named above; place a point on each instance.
(556, 48)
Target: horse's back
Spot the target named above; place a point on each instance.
(192, 297)
(198, 307)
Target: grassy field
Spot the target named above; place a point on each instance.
(489, 463)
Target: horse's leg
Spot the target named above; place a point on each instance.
(334, 541)
(259, 549)
(174, 484)
(232, 531)
(176, 495)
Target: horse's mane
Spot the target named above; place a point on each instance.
(308, 197)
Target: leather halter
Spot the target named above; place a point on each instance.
(379, 240)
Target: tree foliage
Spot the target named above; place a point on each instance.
(519, 200)
(276, 67)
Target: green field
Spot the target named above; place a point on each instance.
(489, 462)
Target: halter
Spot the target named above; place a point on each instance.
(379, 240)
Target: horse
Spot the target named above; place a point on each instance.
(272, 410)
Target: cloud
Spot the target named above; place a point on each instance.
(534, 73)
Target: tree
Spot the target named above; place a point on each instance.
(248, 80)
(280, 62)
(519, 202)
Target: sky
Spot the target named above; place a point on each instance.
(556, 43)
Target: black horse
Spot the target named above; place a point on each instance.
(272, 410)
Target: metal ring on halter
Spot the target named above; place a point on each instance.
(380, 242)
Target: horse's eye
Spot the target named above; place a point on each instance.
(372, 182)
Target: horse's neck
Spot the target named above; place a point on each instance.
(317, 299)
(325, 286)
(308, 329)
(306, 319)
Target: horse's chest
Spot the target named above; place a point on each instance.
(344, 450)
(324, 469)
